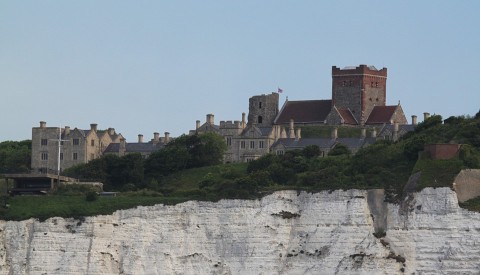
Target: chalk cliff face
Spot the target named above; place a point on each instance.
(283, 233)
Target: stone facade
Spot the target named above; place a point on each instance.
(77, 146)
(359, 89)
(263, 109)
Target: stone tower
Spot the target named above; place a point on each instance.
(359, 89)
(263, 109)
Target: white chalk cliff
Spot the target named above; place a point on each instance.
(283, 233)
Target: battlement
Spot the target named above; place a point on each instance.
(230, 124)
(359, 70)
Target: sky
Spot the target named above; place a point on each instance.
(158, 66)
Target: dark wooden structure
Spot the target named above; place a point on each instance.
(34, 183)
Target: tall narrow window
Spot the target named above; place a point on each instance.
(92, 142)
(242, 144)
(252, 144)
(229, 141)
(44, 142)
(61, 156)
(260, 144)
(76, 141)
(75, 156)
(260, 119)
(259, 105)
(44, 156)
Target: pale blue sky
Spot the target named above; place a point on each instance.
(156, 66)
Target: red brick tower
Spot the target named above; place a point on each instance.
(359, 89)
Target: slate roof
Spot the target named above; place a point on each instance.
(347, 116)
(402, 128)
(146, 147)
(381, 114)
(351, 143)
(304, 111)
(304, 142)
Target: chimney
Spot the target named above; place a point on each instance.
(123, 147)
(197, 125)
(43, 124)
(291, 132)
(298, 135)
(67, 130)
(140, 138)
(93, 127)
(414, 120)
(374, 132)
(395, 131)
(167, 137)
(334, 133)
(426, 116)
(210, 119)
(156, 137)
(111, 131)
(243, 118)
(363, 133)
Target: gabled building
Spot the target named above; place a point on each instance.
(77, 146)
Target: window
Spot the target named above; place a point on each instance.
(75, 156)
(252, 144)
(259, 105)
(44, 156)
(92, 142)
(280, 152)
(61, 156)
(376, 84)
(260, 144)
(260, 119)
(242, 144)
(344, 83)
(76, 141)
(351, 83)
(371, 85)
(229, 141)
(44, 141)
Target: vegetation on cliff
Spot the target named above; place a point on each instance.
(189, 168)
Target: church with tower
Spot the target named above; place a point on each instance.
(359, 99)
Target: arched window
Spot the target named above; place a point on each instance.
(260, 119)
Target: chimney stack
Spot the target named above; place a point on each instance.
(291, 132)
(426, 116)
(156, 137)
(414, 120)
(123, 147)
(140, 138)
(111, 131)
(197, 125)
(210, 119)
(374, 132)
(243, 118)
(43, 124)
(167, 137)
(93, 127)
(67, 130)
(395, 131)
(334, 133)
(298, 136)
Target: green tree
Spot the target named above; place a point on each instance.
(15, 156)
(339, 149)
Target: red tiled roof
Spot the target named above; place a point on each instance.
(381, 114)
(347, 116)
(305, 111)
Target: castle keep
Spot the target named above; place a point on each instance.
(359, 97)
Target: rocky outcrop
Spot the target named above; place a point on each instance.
(283, 233)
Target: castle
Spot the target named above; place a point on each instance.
(358, 100)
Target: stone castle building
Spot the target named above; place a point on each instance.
(81, 146)
(358, 100)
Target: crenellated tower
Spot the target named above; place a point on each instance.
(263, 109)
(359, 89)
